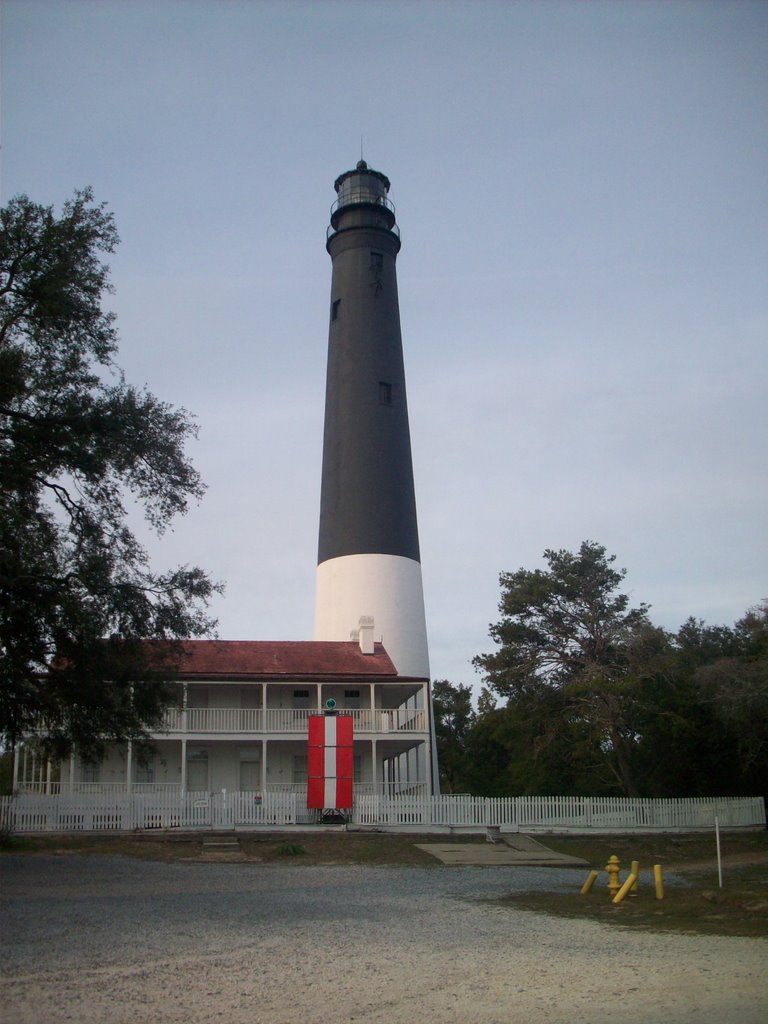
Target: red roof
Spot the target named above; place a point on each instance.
(293, 659)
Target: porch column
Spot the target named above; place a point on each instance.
(184, 761)
(184, 698)
(15, 767)
(47, 776)
(433, 772)
(72, 770)
(263, 767)
(374, 767)
(129, 766)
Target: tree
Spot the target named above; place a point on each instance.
(533, 746)
(452, 707)
(78, 599)
(726, 672)
(569, 630)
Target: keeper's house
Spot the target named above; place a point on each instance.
(241, 724)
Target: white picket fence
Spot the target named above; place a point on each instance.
(567, 813)
(77, 812)
(35, 812)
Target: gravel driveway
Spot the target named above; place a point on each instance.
(107, 940)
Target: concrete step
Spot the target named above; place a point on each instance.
(523, 843)
(221, 848)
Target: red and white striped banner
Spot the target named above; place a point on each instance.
(329, 762)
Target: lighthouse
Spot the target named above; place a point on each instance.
(368, 554)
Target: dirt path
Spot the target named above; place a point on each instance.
(731, 860)
(111, 941)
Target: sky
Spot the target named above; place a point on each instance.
(582, 198)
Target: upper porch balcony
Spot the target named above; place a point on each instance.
(293, 721)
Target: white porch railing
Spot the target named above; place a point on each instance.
(96, 788)
(72, 812)
(108, 789)
(200, 721)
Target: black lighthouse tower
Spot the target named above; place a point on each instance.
(368, 554)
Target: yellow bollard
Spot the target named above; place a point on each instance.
(613, 868)
(635, 870)
(631, 880)
(587, 887)
(657, 877)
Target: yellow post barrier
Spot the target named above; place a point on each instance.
(613, 868)
(587, 887)
(635, 870)
(658, 879)
(631, 879)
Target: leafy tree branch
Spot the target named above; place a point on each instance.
(78, 599)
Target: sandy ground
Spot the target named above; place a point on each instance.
(110, 940)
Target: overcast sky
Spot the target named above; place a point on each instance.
(581, 192)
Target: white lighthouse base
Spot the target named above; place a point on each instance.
(386, 587)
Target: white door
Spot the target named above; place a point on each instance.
(197, 776)
(250, 776)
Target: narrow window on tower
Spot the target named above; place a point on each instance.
(377, 269)
(335, 309)
(385, 393)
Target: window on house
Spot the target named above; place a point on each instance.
(301, 698)
(352, 698)
(385, 393)
(335, 309)
(299, 769)
(197, 697)
(357, 769)
(145, 770)
(90, 773)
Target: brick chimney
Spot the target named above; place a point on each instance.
(365, 634)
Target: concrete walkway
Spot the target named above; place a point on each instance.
(512, 849)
